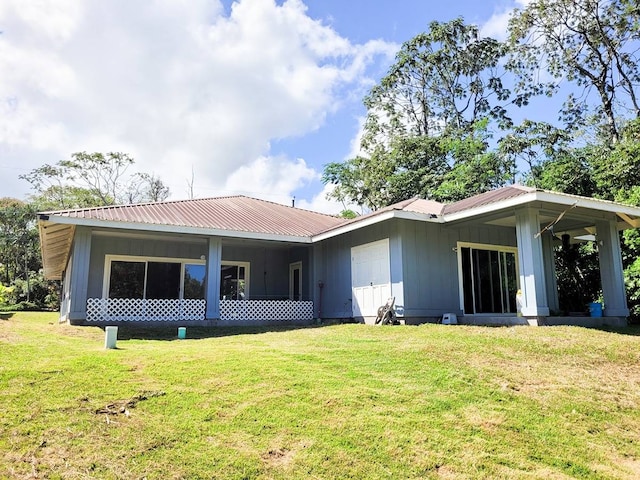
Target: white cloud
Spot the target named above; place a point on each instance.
(270, 178)
(496, 26)
(177, 84)
(320, 203)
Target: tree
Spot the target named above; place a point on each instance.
(19, 250)
(93, 179)
(592, 44)
(428, 117)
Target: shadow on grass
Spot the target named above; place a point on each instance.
(170, 333)
(6, 315)
(632, 330)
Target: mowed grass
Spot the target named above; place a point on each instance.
(341, 401)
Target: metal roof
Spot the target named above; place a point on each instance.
(251, 218)
(487, 198)
(237, 213)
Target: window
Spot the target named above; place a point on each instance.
(489, 278)
(234, 281)
(194, 275)
(153, 278)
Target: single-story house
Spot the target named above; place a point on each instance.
(243, 261)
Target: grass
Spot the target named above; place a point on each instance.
(341, 401)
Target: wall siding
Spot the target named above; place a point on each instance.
(335, 266)
(108, 245)
(430, 263)
(269, 267)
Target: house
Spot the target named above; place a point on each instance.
(243, 261)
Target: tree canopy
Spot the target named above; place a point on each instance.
(441, 124)
(93, 179)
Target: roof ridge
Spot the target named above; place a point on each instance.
(130, 205)
(174, 202)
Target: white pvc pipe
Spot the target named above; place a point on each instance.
(110, 337)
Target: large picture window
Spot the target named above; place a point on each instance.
(153, 278)
(489, 278)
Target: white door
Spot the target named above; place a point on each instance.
(370, 277)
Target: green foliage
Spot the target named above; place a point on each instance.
(19, 250)
(428, 123)
(92, 179)
(591, 44)
(443, 82)
(6, 293)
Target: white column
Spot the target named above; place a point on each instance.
(531, 263)
(212, 294)
(611, 271)
(79, 283)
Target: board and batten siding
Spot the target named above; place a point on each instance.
(333, 267)
(102, 245)
(269, 265)
(430, 264)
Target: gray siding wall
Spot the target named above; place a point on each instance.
(269, 269)
(430, 263)
(333, 266)
(148, 247)
(269, 266)
(424, 265)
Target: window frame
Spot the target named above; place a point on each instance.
(106, 281)
(247, 275)
(487, 247)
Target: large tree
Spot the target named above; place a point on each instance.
(93, 179)
(592, 45)
(429, 116)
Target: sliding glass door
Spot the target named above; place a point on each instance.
(489, 279)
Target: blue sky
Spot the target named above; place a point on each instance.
(252, 96)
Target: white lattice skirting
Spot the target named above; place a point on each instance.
(279, 310)
(140, 310)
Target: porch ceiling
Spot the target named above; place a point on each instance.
(56, 241)
(577, 222)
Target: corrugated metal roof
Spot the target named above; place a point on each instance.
(487, 198)
(236, 213)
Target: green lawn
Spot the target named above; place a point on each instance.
(341, 401)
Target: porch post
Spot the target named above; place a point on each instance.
(550, 271)
(317, 280)
(79, 283)
(611, 271)
(531, 263)
(212, 294)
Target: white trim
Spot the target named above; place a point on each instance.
(247, 275)
(292, 268)
(482, 246)
(376, 218)
(555, 198)
(106, 279)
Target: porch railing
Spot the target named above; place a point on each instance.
(271, 310)
(141, 310)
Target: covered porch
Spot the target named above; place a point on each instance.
(190, 280)
(510, 285)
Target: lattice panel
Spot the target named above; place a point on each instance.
(140, 310)
(265, 310)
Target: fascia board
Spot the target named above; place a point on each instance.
(545, 197)
(88, 222)
(373, 220)
(589, 203)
